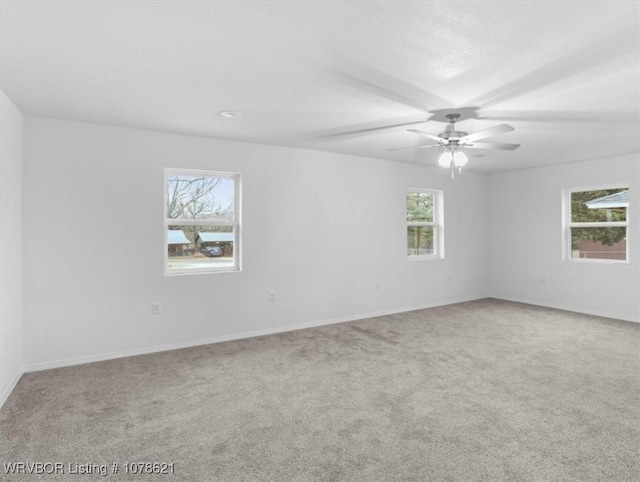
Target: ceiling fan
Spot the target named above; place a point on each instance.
(452, 142)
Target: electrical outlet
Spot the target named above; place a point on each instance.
(155, 308)
(543, 279)
(377, 285)
(272, 295)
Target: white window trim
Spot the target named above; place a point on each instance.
(237, 238)
(437, 224)
(567, 225)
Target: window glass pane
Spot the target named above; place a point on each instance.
(599, 243)
(420, 207)
(198, 247)
(420, 240)
(604, 205)
(200, 197)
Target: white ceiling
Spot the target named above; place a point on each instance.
(566, 74)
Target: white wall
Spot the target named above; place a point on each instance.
(526, 240)
(11, 137)
(320, 229)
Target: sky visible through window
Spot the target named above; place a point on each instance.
(200, 197)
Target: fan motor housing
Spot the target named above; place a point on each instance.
(452, 134)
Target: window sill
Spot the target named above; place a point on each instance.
(595, 261)
(424, 258)
(188, 272)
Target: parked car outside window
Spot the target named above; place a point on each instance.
(212, 251)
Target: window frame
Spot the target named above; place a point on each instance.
(437, 224)
(568, 225)
(235, 224)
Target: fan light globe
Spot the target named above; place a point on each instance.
(445, 159)
(460, 158)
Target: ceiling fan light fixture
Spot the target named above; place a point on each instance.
(453, 157)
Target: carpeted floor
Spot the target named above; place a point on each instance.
(486, 390)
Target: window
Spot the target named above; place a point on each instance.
(596, 224)
(201, 221)
(425, 233)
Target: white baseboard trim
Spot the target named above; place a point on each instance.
(237, 336)
(7, 391)
(602, 314)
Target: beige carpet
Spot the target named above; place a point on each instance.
(487, 390)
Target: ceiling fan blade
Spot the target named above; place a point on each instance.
(415, 147)
(381, 84)
(599, 52)
(340, 132)
(492, 145)
(441, 140)
(558, 116)
(491, 131)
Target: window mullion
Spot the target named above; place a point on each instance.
(420, 223)
(199, 222)
(601, 224)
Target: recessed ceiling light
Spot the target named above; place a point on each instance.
(230, 114)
